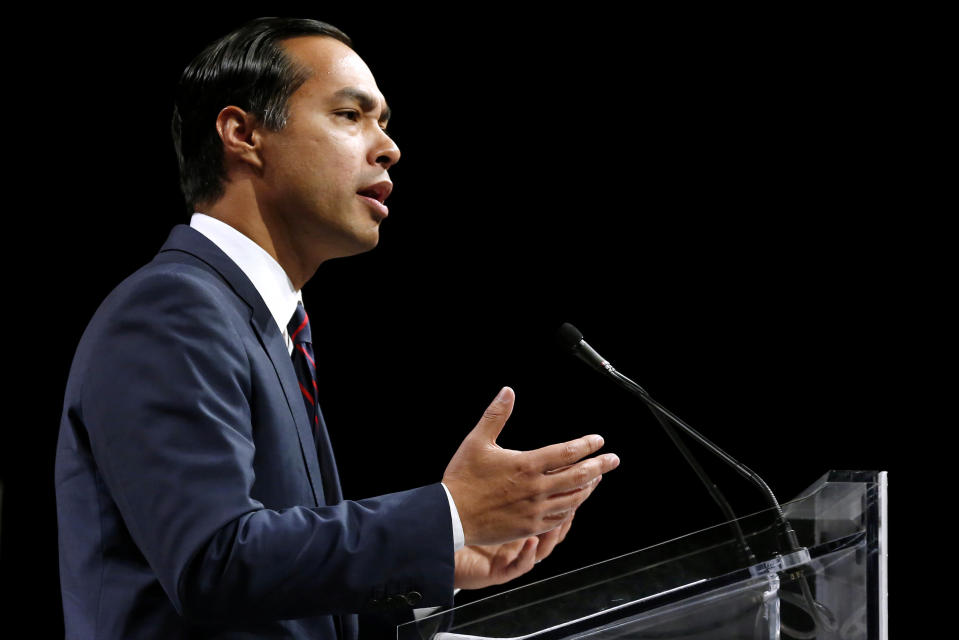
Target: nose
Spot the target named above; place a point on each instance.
(384, 151)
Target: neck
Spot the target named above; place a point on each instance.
(239, 208)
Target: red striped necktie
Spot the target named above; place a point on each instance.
(305, 367)
(304, 364)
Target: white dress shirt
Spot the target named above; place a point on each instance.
(273, 285)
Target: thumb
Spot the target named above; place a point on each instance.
(494, 418)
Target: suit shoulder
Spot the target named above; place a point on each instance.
(166, 287)
(163, 299)
(181, 278)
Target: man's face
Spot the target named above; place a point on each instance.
(325, 173)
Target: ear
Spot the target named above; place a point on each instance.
(238, 131)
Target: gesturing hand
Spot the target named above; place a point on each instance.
(479, 566)
(502, 495)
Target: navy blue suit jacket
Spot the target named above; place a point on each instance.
(189, 493)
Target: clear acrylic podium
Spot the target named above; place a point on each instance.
(709, 586)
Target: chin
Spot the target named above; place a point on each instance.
(361, 243)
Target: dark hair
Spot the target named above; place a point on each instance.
(247, 68)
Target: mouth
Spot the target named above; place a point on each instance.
(375, 196)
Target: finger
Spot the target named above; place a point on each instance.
(507, 553)
(562, 507)
(548, 541)
(564, 528)
(589, 487)
(525, 560)
(495, 416)
(558, 469)
(564, 454)
(580, 475)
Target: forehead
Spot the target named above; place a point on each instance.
(334, 66)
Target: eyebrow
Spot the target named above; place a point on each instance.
(366, 101)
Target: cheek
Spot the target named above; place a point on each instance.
(320, 167)
(339, 155)
(328, 160)
(297, 169)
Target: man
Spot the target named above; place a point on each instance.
(197, 493)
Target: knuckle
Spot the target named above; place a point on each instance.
(582, 474)
(540, 489)
(524, 465)
(602, 466)
(579, 499)
(570, 452)
(491, 415)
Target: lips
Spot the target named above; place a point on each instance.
(375, 195)
(379, 191)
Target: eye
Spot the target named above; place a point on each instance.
(351, 115)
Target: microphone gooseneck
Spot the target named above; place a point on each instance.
(571, 339)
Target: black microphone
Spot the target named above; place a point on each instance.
(570, 338)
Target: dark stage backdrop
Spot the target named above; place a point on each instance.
(704, 196)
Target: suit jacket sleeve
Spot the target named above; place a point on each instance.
(169, 404)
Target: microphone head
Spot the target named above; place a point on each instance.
(568, 336)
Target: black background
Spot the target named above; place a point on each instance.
(714, 199)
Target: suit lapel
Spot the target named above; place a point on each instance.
(186, 239)
(324, 450)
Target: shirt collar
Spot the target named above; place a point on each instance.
(266, 274)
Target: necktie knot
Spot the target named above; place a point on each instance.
(299, 326)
